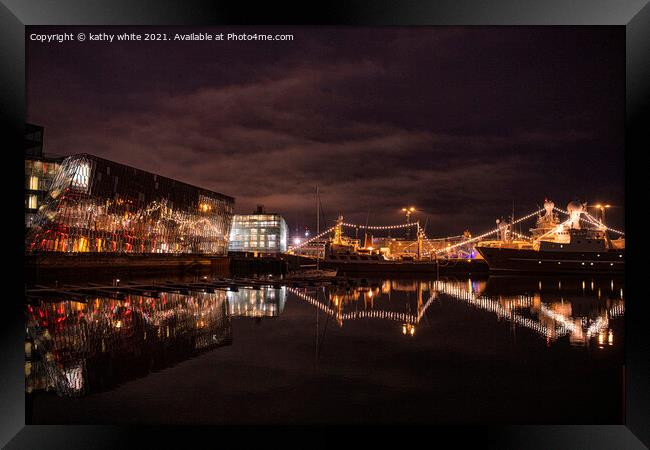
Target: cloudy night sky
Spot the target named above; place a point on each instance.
(459, 122)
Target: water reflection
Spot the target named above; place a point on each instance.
(76, 348)
(579, 310)
(554, 309)
(263, 302)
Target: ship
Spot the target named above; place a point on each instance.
(556, 246)
(351, 256)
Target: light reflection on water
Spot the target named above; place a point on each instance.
(78, 348)
(581, 314)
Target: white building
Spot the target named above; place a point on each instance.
(258, 233)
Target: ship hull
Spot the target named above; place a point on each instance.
(509, 260)
(420, 267)
(383, 267)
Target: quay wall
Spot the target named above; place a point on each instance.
(102, 267)
(105, 267)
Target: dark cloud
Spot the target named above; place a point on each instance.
(457, 121)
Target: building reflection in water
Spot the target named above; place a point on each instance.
(263, 302)
(76, 348)
(580, 310)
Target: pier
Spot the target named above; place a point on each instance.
(119, 290)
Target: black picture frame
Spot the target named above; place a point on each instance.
(634, 15)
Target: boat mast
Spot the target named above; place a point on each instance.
(512, 222)
(419, 241)
(317, 224)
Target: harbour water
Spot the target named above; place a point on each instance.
(398, 350)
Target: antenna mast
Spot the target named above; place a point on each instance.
(318, 227)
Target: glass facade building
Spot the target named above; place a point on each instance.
(39, 172)
(258, 233)
(96, 205)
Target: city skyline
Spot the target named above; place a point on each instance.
(458, 122)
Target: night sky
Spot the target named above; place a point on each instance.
(459, 122)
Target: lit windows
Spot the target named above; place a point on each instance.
(81, 175)
(33, 183)
(264, 233)
(32, 202)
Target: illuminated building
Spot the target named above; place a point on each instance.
(258, 233)
(39, 172)
(96, 205)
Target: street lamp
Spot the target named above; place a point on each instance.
(601, 209)
(408, 211)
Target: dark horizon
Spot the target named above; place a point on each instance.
(457, 121)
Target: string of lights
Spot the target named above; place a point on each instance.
(312, 301)
(592, 221)
(427, 241)
(567, 323)
(468, 241)
(556, 229)
(329, 230)
(364, 314)
(600, 224)
(528, 216)
(442, 238)
(561, 324)
(425, 307)
(496, 230)
(456, 291)
(380, 227)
